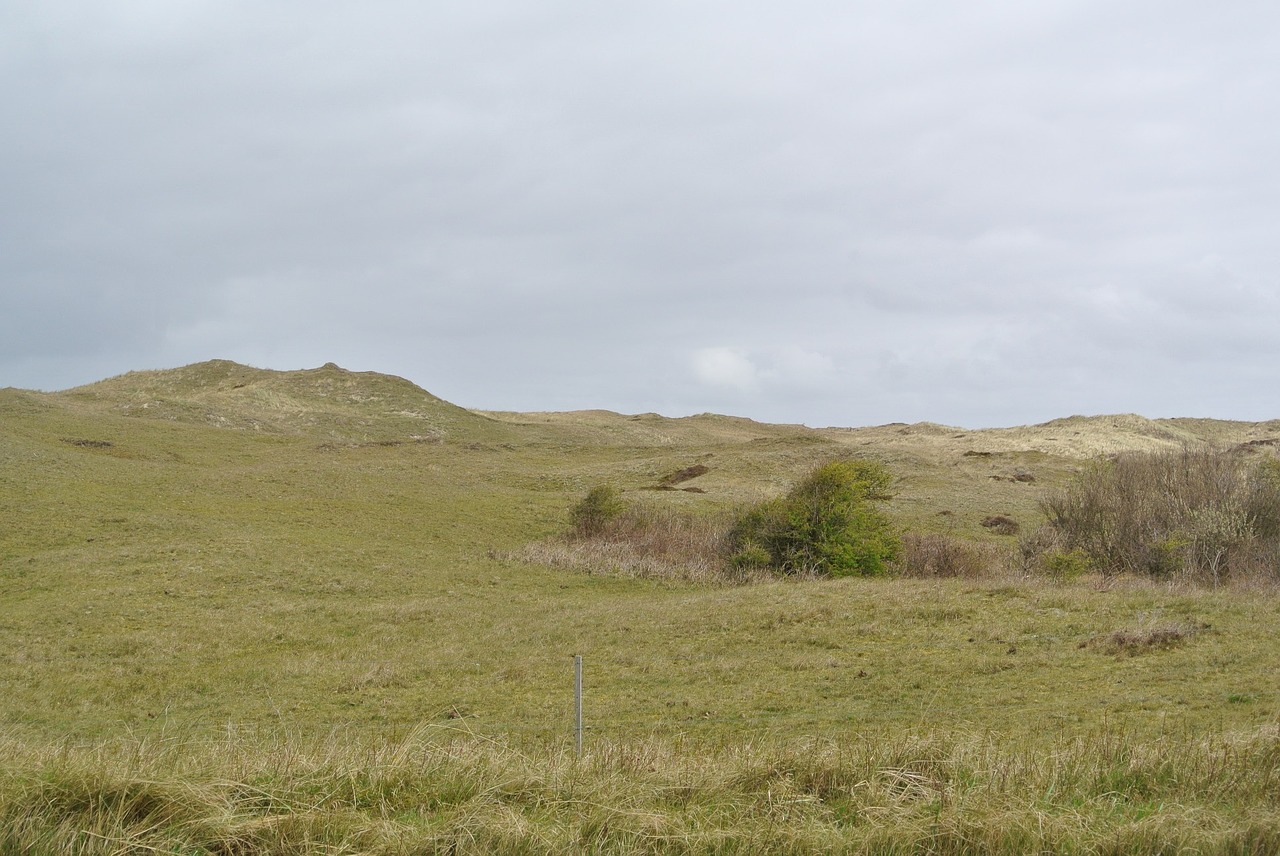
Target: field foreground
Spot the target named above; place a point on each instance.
(437, 792)
(261, 612)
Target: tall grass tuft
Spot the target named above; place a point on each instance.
(440, 792)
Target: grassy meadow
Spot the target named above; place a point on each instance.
(326, 612)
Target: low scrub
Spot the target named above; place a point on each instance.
(829, 524)
(597, 511)
(1202, 514)
(946, 556)
(636, 541)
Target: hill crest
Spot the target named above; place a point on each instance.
(336, 404)
(328, 401)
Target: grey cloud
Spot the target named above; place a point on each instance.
(891, 211)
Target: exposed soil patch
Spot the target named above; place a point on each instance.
(684, 475)
(88, 444)
(669, 487)
(391, 444)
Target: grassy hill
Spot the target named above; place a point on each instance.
(328, 402)
(219, 550)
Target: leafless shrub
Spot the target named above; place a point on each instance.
(670, 536)
(948, 556)
(1202, 514)
(652, 544)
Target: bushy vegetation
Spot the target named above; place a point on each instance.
(829, 524)
(940, 556)
(592, 514)
(610, 535)
(1202, 514)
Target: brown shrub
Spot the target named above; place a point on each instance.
(1201, 514)
(648, 543)
(948, 556)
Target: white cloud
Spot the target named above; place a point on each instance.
(725, 367)
(796, 366)
(775, 371)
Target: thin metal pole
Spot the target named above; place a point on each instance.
(577, 701)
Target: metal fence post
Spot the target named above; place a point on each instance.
(577, 702)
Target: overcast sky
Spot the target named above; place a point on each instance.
(832, 212)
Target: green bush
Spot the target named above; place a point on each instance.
(1065, 566)
(828, 524)
(594, 512)
(750, 557)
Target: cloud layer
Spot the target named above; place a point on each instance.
(983, 214)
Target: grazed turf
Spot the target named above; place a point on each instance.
(217, 547)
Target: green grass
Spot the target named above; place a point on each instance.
(198, 594)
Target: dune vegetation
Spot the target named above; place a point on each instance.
(327, 612)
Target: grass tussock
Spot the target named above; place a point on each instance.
(1001, 524)
(438, 792)
(1133, 641)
